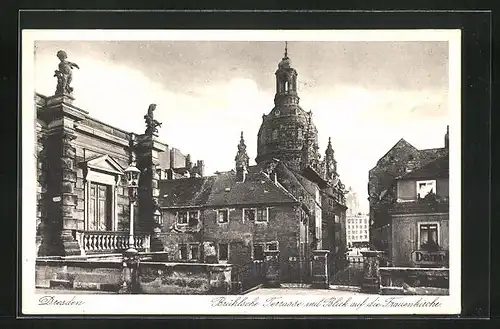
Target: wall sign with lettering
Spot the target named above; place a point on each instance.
(424, 257)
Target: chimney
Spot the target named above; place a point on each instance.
(447, 138)
(200, 167)
(189, 164)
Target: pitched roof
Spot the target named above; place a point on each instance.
(438, 168)
(222, 190)
(257, 188)
(185, 192)
(434, 153)
(401, 143)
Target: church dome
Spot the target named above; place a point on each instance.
(284, 131)
(285, 63)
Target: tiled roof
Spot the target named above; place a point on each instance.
(438, 168)
(257, 188)
(223, 189)
(185, 192)
(435, 152)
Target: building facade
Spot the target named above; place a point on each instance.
(399, 202)
(313, 216)
(420, 217)
(234, 217)
(358, 229)
(82, 196)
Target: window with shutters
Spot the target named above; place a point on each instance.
(99, 212)
(428, 236)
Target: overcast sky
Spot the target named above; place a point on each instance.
(364, 95)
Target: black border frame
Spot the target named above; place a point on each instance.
(476, 101)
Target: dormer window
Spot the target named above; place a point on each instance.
(425, 187)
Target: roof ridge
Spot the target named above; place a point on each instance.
(278, 186)
(425, 166)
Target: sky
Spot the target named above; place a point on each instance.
(364, 95)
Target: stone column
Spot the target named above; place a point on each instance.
(60, 197)
(371, 264)
(147, 150)
(320, 269)
(272, 270)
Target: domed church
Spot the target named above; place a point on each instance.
(291, 201)
(288, 133)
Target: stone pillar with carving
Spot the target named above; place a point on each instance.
(371, 264)
(320, 269)
(60, 199)
(272, 270)
(41, 186)
(147, 149)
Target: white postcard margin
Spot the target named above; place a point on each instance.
(235, 305)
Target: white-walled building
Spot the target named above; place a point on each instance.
(357, 228)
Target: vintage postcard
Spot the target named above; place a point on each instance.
(266, 172)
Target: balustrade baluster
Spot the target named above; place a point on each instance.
(85, 242)
(113, 242)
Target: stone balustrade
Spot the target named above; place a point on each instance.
(110, 241)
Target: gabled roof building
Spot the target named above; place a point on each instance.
(409, 205)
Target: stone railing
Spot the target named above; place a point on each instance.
(110, 241)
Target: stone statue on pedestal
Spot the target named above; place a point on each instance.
(151, 124)
(64, 74)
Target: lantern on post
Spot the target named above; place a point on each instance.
(157, 217)
(132, 174)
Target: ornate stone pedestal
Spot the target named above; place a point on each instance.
(272, 272)
(371, 278)
(320, 269)
(130, 272)
(60, 179)
(147, 149)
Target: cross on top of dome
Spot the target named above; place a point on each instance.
(285, 61)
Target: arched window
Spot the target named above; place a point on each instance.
(286, 85)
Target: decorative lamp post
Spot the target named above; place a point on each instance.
(158, 219)
(132, 174)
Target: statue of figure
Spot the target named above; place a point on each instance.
(151, 124)
(64, 74)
